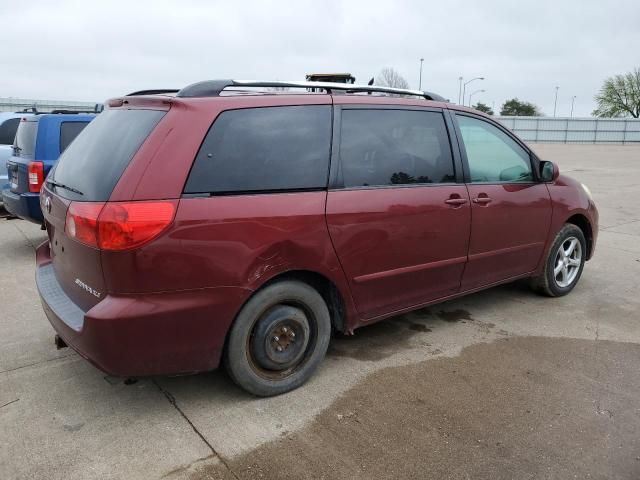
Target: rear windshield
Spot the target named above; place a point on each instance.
(25, 141)
(8, 131)
(96, 159)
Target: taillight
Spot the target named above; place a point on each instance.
(82, 222)
(36, 176)
(118, 225)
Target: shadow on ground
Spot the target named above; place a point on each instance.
(521, 407)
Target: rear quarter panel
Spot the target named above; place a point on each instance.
(232, 241)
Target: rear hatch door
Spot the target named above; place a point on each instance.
(85, 177)
(76, 265)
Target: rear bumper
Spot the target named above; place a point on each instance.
(23, 205)
(143, 334)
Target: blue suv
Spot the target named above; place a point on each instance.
(39, 141)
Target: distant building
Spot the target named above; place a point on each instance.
(19, 104)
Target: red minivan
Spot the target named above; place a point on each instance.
(222, 223)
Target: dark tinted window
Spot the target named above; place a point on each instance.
(26, 137)
(69, 131)
(259, 149)
(8, 131)
(95, 160)
(394, 147)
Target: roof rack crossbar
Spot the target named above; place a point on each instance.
(213, 88)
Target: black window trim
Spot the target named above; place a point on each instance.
(231, 193)
(336, 182)
(534, 162)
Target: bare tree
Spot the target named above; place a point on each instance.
(388, 77)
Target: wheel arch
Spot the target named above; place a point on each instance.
(582, 222)
(329, 291)
(333, 297)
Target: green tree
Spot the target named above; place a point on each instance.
(483, 107)
(619, 96)
(515, 107)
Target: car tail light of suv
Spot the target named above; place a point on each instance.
(36, 176)
(118, 225)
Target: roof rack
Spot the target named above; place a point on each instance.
(71, 112)
(213, 88)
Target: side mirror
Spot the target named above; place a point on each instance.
(549, 171)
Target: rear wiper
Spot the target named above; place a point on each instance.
(61, 185)
(16, 149)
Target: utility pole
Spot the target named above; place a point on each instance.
(573, 100)
(555, 103)
(420, 82)
(460, 90)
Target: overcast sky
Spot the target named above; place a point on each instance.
(79, 50)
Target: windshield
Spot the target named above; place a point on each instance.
(96, 159)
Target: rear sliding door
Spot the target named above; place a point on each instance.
(397, 217)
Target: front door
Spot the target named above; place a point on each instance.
(398, 220)
(510, 209)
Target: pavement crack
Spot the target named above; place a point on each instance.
(174, 403)
(25, 236)
(184, 468)
(620, 224)
(37, 363)
(9, 403)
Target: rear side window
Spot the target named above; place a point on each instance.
(96, 159)
(394, 147)
(8, 131)
(25, 141)
(264, 149)
(69, 131)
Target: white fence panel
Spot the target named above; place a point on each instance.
(574, 130)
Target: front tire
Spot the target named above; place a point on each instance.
(278, 339)
(564, 263)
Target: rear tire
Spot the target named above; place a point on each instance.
(278, 339)
(564, 263)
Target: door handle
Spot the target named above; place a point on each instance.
(455, 201)
(482, 200)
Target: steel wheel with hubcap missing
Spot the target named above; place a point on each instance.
(278, 339)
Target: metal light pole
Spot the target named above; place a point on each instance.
(555, 103)
(460, 90)
(472, 94)
(464, 87)
(573, 100)
(420, 82)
